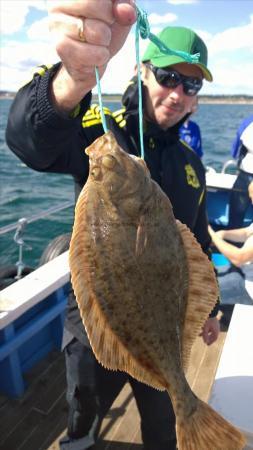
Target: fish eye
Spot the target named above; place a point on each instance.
(95, 172)
(109, 161)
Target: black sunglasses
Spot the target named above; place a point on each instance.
(171, 78)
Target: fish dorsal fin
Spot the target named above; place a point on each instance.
(202, 291)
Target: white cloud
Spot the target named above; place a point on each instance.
(236, 38)
(14, 12)
(39, 30)
(230, 80)
(18, 61)
(121, 68)
(230, 53)
(230, 60)
(155, 19)
(182, 2)
(229, 77)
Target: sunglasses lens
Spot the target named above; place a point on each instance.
(172, 78)
(168, 78)
(192, 86)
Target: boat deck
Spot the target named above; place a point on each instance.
(38, 419)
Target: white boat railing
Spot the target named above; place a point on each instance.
(20, 296)
(231, 163)
(34, 218)
(20, 226)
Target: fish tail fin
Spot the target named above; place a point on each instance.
(205, 429)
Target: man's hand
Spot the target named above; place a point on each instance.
(87, 34)
(210, 331)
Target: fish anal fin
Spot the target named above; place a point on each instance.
(202, 291)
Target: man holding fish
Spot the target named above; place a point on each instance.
(50, 124)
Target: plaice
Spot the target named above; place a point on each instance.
(144, 287)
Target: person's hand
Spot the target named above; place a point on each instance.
(210, 330)
(87, 34)
(219, 233)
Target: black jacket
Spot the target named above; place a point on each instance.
(48, 141)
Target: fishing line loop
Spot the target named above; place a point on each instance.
(144, 30)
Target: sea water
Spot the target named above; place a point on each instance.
(25, 192)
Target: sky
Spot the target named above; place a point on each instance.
(226, 26)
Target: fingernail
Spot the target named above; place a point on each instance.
(130, 2)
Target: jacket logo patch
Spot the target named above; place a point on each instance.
(191, 176)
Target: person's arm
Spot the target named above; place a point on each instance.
(236, 235)
(40, 136)
(87, 34)
(44, 125)
(237, 256)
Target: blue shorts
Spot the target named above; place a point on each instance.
(232, 286)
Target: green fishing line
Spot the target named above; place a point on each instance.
(100, 101)
(143, 30)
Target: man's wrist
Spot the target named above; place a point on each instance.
(51, 116)
(66, 93)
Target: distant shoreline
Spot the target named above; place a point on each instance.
(203, 99)
(225, 101)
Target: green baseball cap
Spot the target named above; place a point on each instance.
(178, 38)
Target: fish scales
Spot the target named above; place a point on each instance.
(137, 273)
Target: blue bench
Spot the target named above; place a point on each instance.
(219, 260)
(31, 322)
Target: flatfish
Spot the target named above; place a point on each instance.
(144, 287)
